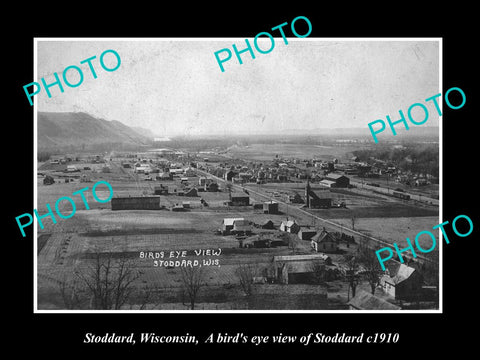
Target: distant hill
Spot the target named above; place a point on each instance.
(145, 132)
(81, 131)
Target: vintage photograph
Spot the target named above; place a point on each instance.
(164, 184)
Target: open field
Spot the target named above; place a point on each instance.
(263, 152)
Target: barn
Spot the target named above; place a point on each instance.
(336, 180)
(270, 207)
(324, 242)
(298, 269)
(268, 224)
(160, 190)
(136, 203)
(228, 223)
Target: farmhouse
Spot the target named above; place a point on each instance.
(324, 242)
(401, 281)
(290, 226)
(136, 203)
(365, 301)
(336, 181)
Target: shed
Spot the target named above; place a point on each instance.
(48, 180)
(160, 190)
(164, 176)
(270, 207)
(268, 224)
(296, 268)
(328, 183)
(228, 223)
(324, 242)
(319, 202)
(295, 198)
(191, 192)
(306, 233)
(136, 203)
(211, 187)
(229, 175)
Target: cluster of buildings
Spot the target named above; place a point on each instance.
(402, 284)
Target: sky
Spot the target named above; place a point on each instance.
(175, 86)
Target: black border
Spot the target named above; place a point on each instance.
(47, 333)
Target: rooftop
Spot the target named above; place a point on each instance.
(366, 301)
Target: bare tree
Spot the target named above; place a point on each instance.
(318, 272)
(292, 242)
(371, 268)
(228, 187)
(72, 295)
(245, 274)
(351, 273)
(192, 280)
(107, 284)
(147, 295)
